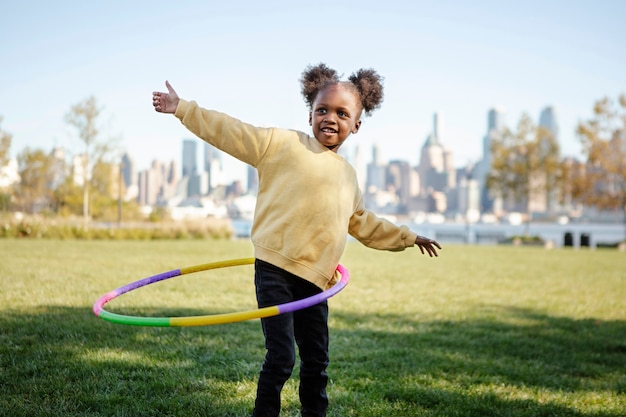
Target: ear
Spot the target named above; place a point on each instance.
(310, 118)
(357, 126)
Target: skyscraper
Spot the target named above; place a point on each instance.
(495, 128)
(550, 139)
(190, 159)
(547, 120)
(129, 174)
(375, 171)
(435, 169)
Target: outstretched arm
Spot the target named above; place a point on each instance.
(427, 244)
(165, 102)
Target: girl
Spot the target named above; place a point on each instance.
(308, 199)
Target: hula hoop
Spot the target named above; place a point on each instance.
(98, 307)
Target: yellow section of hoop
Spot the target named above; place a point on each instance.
(224, 318)
(216, 265)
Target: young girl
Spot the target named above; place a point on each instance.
(308, 199)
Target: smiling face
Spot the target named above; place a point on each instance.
(335, 114)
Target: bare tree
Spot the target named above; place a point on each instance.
(84, 116)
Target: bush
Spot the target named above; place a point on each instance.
(43, 228)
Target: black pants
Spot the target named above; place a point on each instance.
(309, 329)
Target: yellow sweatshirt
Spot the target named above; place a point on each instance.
(308, 197)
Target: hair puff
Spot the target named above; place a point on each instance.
(316, 78)
(367, 84)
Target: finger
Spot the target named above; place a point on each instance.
(169, 87)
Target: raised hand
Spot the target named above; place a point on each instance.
(165, 102)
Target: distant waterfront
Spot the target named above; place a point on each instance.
(556, 235)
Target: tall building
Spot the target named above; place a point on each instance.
(157, 184)
(435, 168)
(128, 170)
(129, 177)
(190, 158)
(253, 179)
(57, 168)
(495, 125)
(495, 128)
(212, 165)
(399, 180)
(375, 171)
(148, 182)
(548, 201)
(547, 120)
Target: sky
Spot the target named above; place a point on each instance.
(455, 58)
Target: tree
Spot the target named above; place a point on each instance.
(33, 193)
(68, 198)
(602, 184)
(84, 116)
(525, 166)
(5, 145)
(106, 183)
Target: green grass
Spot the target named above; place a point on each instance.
(480, 331)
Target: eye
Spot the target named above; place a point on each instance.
(321, 110)
(342, 113)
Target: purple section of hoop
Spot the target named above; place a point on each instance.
(318, 298)
(97, 307)
(146, 281)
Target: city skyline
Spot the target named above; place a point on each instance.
(495, 121)
(435, 186)
(455, 59)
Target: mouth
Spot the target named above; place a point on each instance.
(328, 130)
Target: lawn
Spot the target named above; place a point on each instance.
(479, 331)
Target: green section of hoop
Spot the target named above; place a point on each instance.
(134, 320)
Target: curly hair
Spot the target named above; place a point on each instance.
(367, 84)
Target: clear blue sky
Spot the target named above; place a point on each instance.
(457, 58)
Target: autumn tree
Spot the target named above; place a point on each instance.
(5, 146)
(34, 192)
(602, 183)
(106, 185)
(525, 165)
(84, 117)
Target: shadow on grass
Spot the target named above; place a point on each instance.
(63, 361)
(483, 367)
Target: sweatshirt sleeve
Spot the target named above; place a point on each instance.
(240, 140)
(377, 233)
